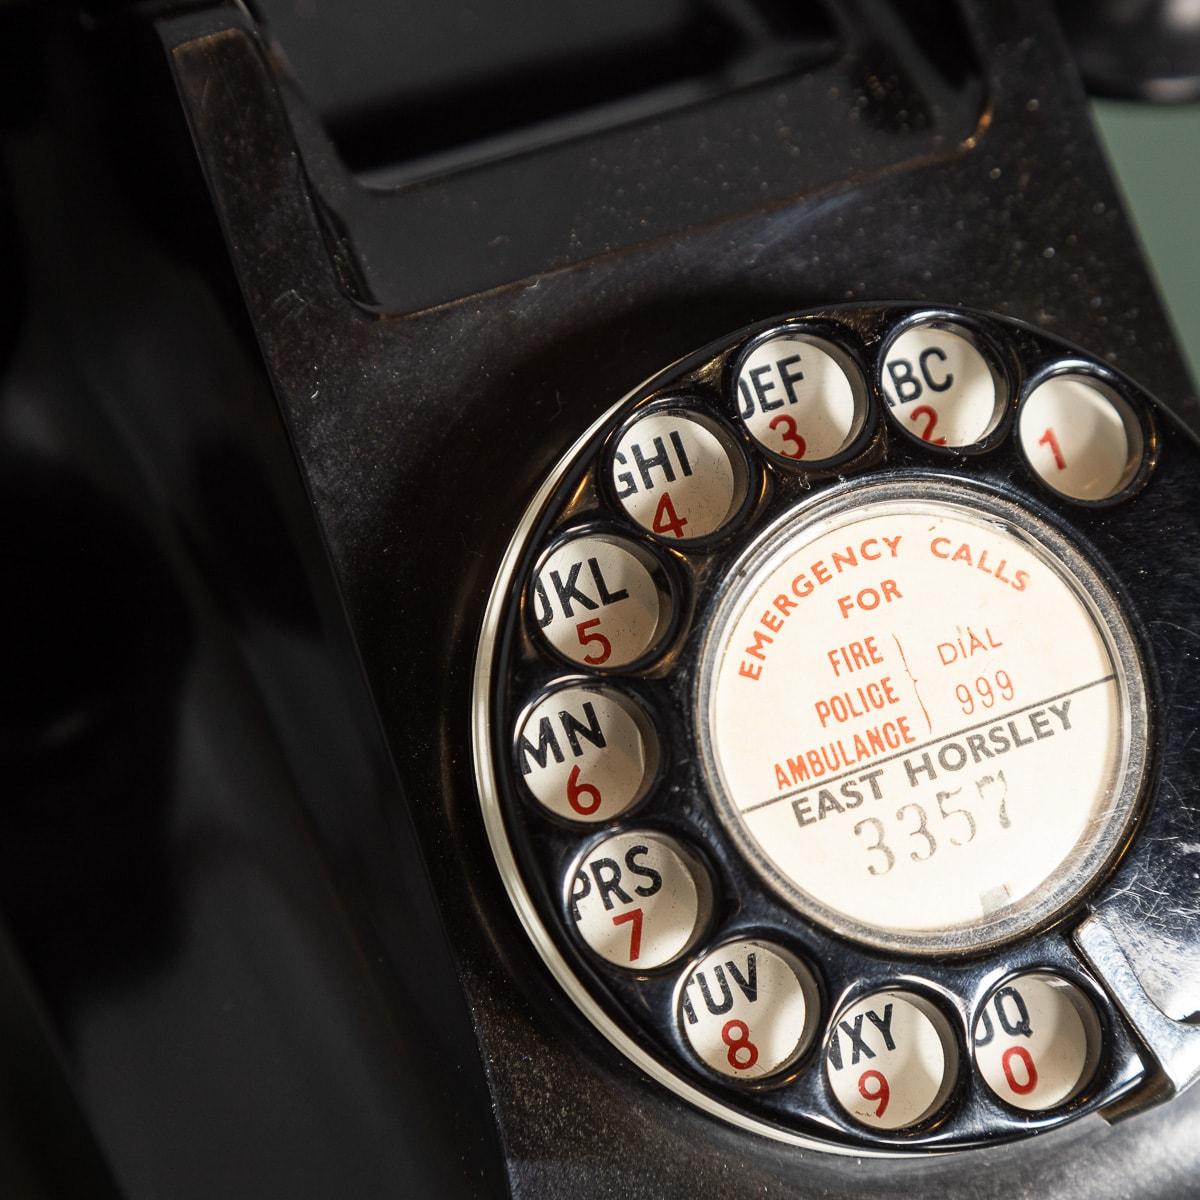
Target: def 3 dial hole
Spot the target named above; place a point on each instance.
(801, 397)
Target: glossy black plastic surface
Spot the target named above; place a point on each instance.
(228, 973)
(238, 1024)
(422, 436)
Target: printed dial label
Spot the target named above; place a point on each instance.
(596, 602)
(583, 753)
(890, 1060)
(939, 386)
(675, 476)
(796, 398)
(637, 900)
(748, 1009)
(920, 729)
(1036, 1041)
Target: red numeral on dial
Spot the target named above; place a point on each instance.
(923, 410)
(633, 918)
(587, 634)
(576, 791)
(1030, 1071)
(742, 1053)
(880, 1094)
(666, 519)
(1051, 442)
(789, 434)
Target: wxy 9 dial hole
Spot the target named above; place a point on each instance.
(749, 1010)
(600, 601)
(1080, 437)
(801, 397)
(638, 900)
(1037, 1041)
(586, 753)
(679, 475)
(942, 385)
(891, 1060)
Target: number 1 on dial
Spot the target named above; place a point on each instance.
(1051, 443)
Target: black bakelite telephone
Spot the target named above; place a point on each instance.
(604, 603)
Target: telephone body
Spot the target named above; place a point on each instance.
(656, 661)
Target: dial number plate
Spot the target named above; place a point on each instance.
(803, 739)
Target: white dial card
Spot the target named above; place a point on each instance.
(920, 725)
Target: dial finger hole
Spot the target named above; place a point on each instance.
(600, 601)
(586, 753)
(801, 397)
(638, 899)
(748, 1010)
(943, 387)
(679, 475)
(1080, 437)
(891, 1060)
(1037, 1041)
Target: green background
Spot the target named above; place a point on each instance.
(1155, 152)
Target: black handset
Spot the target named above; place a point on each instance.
(825, 735)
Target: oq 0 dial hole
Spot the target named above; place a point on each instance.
(1036, 1041)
